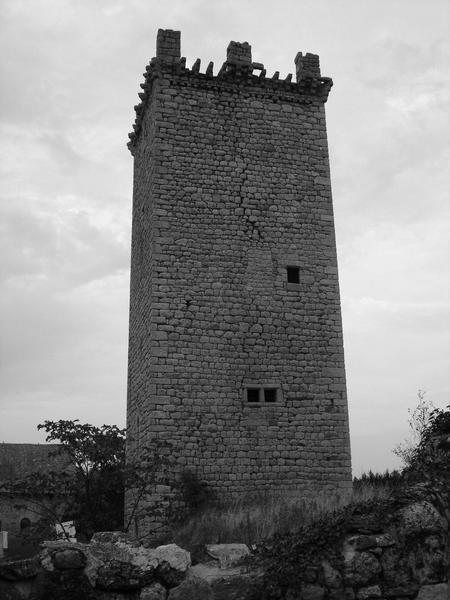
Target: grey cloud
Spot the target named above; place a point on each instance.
(64, 248)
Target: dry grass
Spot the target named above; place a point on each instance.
(252, 522)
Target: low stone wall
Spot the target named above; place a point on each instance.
(407, 556)
(397, 549)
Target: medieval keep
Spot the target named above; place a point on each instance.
(235, 344)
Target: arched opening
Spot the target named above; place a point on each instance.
(25, 525)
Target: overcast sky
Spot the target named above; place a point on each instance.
(70, 76)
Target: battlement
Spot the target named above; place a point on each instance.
(168, 46)
(238, 69)
(239, 54)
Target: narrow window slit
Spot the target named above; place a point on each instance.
(293, 274)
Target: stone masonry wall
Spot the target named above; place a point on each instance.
(232, 186)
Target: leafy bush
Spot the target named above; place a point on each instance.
(431, 459)
(418, 421)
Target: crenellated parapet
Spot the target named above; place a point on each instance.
(238, 71)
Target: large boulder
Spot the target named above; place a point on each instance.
(228, 555)
(155, 591)
(69, 558)
(421, 518)
(172, 564)
(63, 555)
(360, 568)
(115, 563)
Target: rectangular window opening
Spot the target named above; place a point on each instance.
(293, 274)
(252, 394)
(270, 395)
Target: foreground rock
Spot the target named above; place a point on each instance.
(227, 554)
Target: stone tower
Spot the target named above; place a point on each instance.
(235, 345)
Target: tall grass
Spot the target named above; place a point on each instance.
(251, 523)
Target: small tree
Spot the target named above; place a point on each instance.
(89, 486)
(97, 461)
(151, 484)
(90, 489)
(418, 421)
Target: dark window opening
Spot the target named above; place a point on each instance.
(25, 523)
(262, 394)
(270, 395)
(293, 274)
(253, 394)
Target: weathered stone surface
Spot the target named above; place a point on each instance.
(331, 577)
(361, 568)
(227, 554)
(439, 591)
(191, 589)
(384, 540)
(69, 558)
(120, 576)
(112, 537)
(17, 570)
(364, 524)
(173, 563)
(155, 591)
(403, 591)
(62, 554)
(106, 558)
(362, 542)
(366, 593)
(422, 517)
